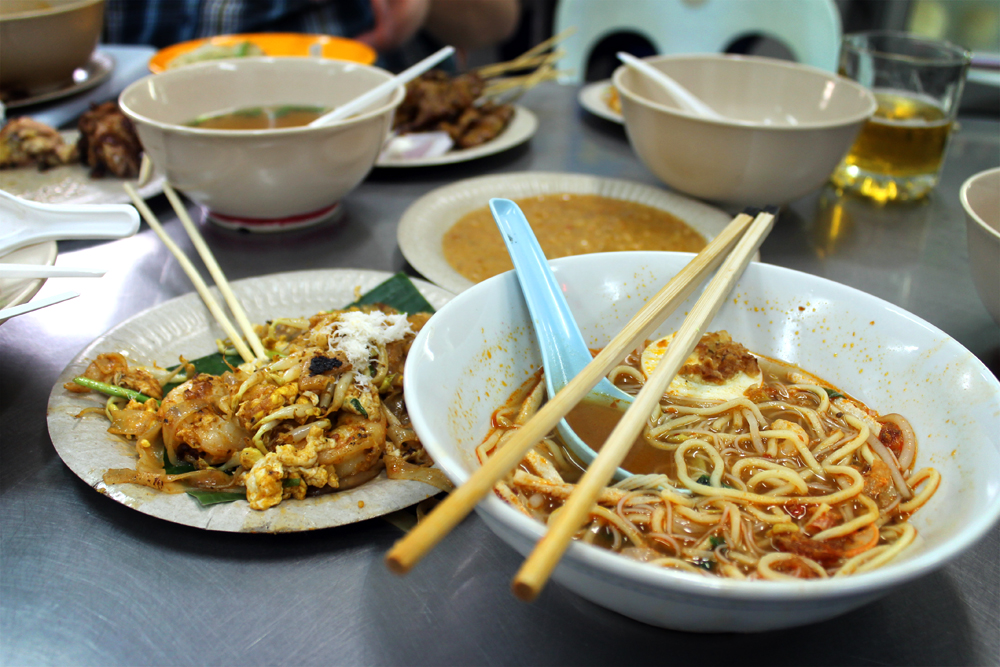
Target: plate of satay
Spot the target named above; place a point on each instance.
(445, 119)
(87, 165)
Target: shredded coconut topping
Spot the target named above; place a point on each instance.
(358, 336)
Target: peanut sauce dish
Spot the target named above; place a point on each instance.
(819, 448)
(450, 237)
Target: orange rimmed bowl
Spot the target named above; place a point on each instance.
(274, 44)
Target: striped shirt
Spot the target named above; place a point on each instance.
(161, 23)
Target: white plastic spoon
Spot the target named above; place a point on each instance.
(401, 79)
(41, 271)
(564, 352)
(24, 222)
(681, 95)
(14, 311)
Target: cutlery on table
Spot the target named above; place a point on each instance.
(42, 271)
(37, 304)
(26, 222)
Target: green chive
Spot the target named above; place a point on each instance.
(110, 389)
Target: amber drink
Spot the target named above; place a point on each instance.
(897, 156)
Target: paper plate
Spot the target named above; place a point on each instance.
(72, 184)
(520, 128)
(424, 223)
(184, 326)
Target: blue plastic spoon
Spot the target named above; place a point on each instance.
(564, 353)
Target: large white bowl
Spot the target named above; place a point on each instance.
(980, 197)
(258, 177)
(480, 346)
(786, 126)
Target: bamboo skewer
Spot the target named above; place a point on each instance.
(535, 571)
(497, 69)
(192, 273)
(216, 272)
(418, 542)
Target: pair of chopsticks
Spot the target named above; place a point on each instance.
(245, 352)
(733, 249)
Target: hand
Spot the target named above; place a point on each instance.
(396, 21)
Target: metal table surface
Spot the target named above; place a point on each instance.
(85, 580)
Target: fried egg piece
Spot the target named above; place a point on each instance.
(691, 384)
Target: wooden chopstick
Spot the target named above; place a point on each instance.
(192, 273)
(216, 272)
(535, 571)
(408, 551)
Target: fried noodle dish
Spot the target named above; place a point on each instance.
(749, 469)
(323, 413)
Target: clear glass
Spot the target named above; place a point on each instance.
(917, 84)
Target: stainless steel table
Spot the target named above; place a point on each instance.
(84, 580)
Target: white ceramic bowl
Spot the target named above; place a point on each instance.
(980, 197)
(480, 346)
(261, 179)
(41, 43)
(787, 126)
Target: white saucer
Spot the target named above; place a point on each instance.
(593, 98)
(84, 78)
(72, 184)
(521, 128)
(424, 224)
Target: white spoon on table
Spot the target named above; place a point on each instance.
(24, 222)
(684, 98)
(37, 304)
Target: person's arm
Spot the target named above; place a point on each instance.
(472, 24)
(396, 21)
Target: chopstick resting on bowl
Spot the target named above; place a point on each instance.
(408, 551)
(192, 273)
(537, 568)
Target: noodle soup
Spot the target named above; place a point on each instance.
(271, 117)
(787, 479)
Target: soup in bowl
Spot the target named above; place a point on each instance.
(480, 348)
(194, 124)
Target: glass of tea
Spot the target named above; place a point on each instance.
(918, 85)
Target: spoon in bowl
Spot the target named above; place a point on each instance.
(684, 98)
(564, 352)
(366, 98)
